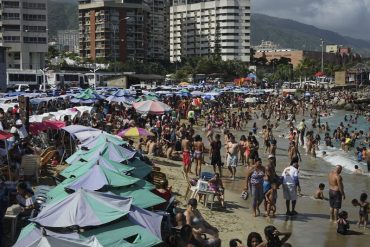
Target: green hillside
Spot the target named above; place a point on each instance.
(292, 34)
(62, 15)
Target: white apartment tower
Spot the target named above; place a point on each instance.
(23, 31)
(196, 26)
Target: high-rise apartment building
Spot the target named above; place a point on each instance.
(198, 26)
(68, 40)
(117, 30)
(23, 30)
(159, 29)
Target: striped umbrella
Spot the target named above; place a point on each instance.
(134, 132)
(151, 107)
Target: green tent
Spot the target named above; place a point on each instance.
(140, 197)
(123, 234)
(141, 168)
(80, 167)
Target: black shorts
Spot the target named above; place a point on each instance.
(216, 160)
(335, 199)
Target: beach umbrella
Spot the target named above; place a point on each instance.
(109, 150)
(84, 208)
(124, 234)
(146, 97)
(4, 136)
(87, 97)
(151, 107)
(98, 176)
(122, 96)
(102, 138)
(79, 168)
(31, 234)
(184, 84)
(134, 132)
(141, 197)
(141, 170)
(139, 192)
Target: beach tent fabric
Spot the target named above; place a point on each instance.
(146, 219)
(123, 234)
(84, 208)
(31, 234)
(101, 139)
(134, 132)
(151, 107)
(51, 241)
(81, 167)
(98, 176)
(108, 150)
(88, 96)
(36, 128)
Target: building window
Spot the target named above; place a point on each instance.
(27, 5)
(11, 39)
(27, 17)
(34, 40)
(37, 29)
(11, 16)
(9, 4)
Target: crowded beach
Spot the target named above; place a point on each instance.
(197, 165)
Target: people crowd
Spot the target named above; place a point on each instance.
(176, 137)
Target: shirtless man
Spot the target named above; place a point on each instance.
(232, 149)
(186, 159)
(368, 158)
(336, 192)
(198, 154)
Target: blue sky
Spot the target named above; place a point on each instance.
(347, 17)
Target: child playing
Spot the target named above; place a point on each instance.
(270, 197)
(319, 194)
(364, 209)
(342, 222)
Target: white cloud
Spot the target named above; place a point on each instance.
(343, 16)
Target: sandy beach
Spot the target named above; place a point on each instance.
(311, 227)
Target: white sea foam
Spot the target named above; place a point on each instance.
(336, 156)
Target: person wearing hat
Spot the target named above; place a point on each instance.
(200, 225)
(21, 130)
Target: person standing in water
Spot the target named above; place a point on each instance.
(336, 192)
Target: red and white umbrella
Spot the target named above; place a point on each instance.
(151, 107)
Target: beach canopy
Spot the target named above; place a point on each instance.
(250, 100)
(122, 96)
(101, 138)
(123, 234)
(73, 129)
(32, 234)
(151, 107)
(98, 176)
(5, 135)
(139, 192)
(146, 97)
(88, 96)
(84, 208)
(108, 150)
(134, 132)
(35, 128)
(79, 168)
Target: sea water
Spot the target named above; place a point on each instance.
(335, 155)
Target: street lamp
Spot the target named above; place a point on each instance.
(322, 55)
(43, 78)
(94, 71)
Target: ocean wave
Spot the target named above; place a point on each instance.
(336, 156)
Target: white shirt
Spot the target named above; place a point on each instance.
(290, 175)
(22, 132)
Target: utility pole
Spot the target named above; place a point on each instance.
(322, 55)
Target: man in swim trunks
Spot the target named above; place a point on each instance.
(368, 158)
(198, 154)
(336, 192)
(186, 159)
(216, 154)
(232, 149)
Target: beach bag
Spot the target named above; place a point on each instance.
(245, 195)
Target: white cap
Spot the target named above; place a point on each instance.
(18, 122)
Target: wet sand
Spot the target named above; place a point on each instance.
(311, 227)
